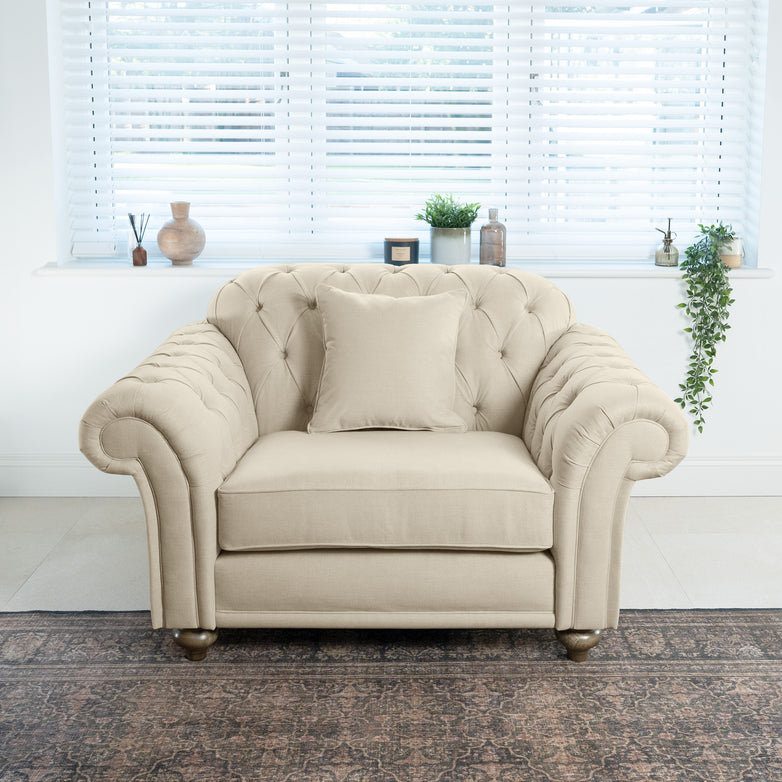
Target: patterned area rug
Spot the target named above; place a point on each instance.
(671, 695)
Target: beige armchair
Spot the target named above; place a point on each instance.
(516, 521)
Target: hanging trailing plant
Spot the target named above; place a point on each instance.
(707, 306)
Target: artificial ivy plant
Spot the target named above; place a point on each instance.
(707, 306)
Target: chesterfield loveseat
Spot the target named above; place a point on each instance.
(371, 446)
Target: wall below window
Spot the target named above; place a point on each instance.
(67, 337)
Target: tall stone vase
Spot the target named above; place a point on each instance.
(181, 240)
(450, 245)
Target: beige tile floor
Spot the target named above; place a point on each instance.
(67, 554)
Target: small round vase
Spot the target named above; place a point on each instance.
(181, 240)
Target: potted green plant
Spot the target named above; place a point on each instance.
(450, 223)
(707, 306)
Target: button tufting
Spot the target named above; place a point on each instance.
(492, 329)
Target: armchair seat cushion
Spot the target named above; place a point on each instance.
(386, 489)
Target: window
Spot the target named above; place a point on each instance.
(314, 130)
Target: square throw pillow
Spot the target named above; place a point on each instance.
(389, 363)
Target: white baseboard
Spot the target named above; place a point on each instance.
(748, 476)
(59, 475)
(71, 475)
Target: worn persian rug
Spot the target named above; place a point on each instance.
(671, 695)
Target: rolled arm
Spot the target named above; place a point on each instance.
(178, 424)
(596, 424)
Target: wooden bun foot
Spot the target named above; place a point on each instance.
(578, 642)
(196, 642)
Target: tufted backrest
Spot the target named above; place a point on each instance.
(512, 318)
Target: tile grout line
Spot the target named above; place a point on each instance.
(43, 560)
(670, 567)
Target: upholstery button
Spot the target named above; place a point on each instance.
(475, 409)
(259, 307)
(284, 354)
(312, 304)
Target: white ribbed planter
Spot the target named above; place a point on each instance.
(450, 245)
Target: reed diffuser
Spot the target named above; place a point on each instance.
(139, 225)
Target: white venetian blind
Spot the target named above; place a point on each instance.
(307, 130)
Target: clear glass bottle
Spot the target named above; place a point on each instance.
(493, 241)
(666, 254)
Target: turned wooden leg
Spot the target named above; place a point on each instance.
(196, 642)
(578, 642)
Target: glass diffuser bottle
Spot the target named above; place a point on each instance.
(493, 241)
(666, 254)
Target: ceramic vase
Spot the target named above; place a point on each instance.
(181, 240)
(732, 253)
(450, 245)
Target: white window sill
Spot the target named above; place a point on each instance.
(230, 267)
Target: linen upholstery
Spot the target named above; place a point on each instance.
(386, 489)
(389, 362)
(596, 424)
(182, 423)
(270, 316)
(178, 424)
(345, 588)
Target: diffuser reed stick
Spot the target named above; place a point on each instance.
(139, 227)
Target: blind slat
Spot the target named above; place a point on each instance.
(291, 126)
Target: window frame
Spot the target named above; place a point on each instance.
(373, 250)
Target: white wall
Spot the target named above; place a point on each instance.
(67, 337)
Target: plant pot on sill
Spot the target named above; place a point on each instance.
(450, 245)
(732, 253)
